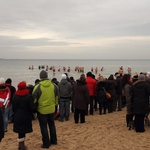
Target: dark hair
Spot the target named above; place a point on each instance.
(93, 76)
(126, 79)
(8, 81)
(111, 77)
(82, 78)
(66, 74)
(72, 78)
(89, 74)
(37, 81)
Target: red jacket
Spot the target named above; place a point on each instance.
(91, 84)
(4, 96)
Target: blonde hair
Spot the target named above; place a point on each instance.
(101, 78)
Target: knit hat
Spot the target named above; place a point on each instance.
(141, 77)
(22, 89)
(63, 76)
(2, 81)
(22, 86)
(43, 74)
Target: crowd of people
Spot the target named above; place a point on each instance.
(82, 97)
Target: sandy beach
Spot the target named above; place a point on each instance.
(100, 132)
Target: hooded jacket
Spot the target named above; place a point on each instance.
(65, 89)
(81, 97)
(140, 96)
(5, 95)
(46, 95)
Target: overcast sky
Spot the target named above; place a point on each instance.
(80, 29)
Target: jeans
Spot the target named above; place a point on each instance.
(64, 108)
(119, 100)
(10, 115)
(47, 121)
(6, 112)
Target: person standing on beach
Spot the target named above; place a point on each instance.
(44, 95)
(111, 88)
(81, 99)
(65, 91)
(91, 84)
(140, 92)
(22, 105)
(95, 96)
(118, 92)
(101, 95)
(4, 101)
(126, 87)
(8, 83)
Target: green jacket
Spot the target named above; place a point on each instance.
(46, 95)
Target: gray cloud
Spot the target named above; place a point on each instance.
(13, 41)
(64, 25)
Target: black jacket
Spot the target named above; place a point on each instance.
(101, 95)
(23, 108)
(140, 97)
(81, 97)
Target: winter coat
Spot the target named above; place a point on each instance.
(12, 90)
(111, 88)
(5, 95)
(127, 93)
(140, 96)
(22, 108)
(65, 89)
(101, 95)
(91, 84)
(81, 97)
(46, 96)
(119, 86)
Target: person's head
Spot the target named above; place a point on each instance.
(37, 81)
(82, 78)
(117, 75)
(126, 79)
(111, 77)
(63, 76)
(22, 85)
(101, 78)
(22, 89)
(72, 78)
(2, 81)
(89, 74)
(93, 76)
(43, 75)
(8, 81)
(82, 75)
(54, 80)
(66, 74)
(141, 77)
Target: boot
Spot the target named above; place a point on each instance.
(129, 118)
(21, 144)
(104, 111)
(100, 111)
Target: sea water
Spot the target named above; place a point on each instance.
(18, 70)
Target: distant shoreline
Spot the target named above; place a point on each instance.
(75, 59)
